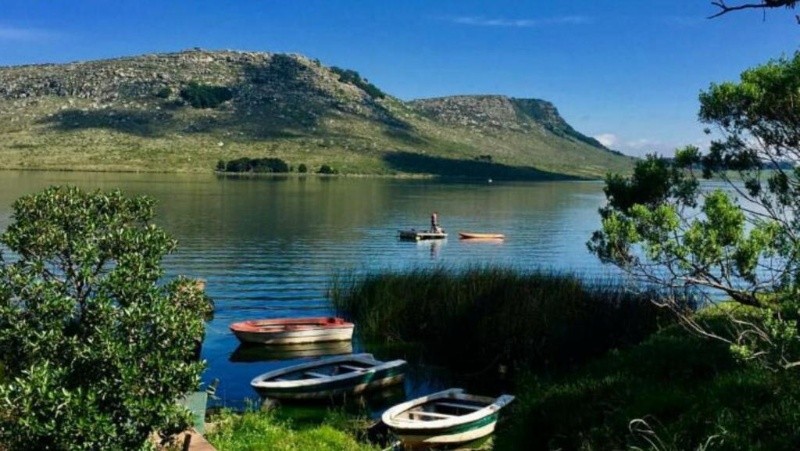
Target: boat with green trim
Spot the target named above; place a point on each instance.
(330, 377)
(446, 417)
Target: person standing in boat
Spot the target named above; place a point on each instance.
(435, 227)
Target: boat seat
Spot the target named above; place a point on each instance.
(431, 415)
(459, 406)
(313, 374)
(280, 379)
(352, 368)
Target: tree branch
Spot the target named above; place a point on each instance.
(724, 9)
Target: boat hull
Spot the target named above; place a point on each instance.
(293, 331)
(480, 236)
(418, 235)
(382, 374)
(447, 417)
(449, 435)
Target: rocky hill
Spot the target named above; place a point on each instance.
(185, 111)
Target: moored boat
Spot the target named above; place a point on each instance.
(329, 377)
(418, 235)
(446, 417)
(481, 236)
(293, 330)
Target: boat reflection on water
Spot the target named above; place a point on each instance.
(265, 353)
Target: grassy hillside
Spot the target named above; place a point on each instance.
(182, 112)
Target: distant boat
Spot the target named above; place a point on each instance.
(446, 417)
(481, 236)
(417, 235)
(329, 377)
(249, 352)
(293, 330)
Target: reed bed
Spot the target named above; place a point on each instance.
(481, 316)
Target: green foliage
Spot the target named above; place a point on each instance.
(205, 96)
(689, 390)
(354, 78)
(302, 168)
(164, 92)
(744, 242)
(257, 165)
(96, 351)
(220, 165)
(527, 320)
(264, 431)
(326, 169)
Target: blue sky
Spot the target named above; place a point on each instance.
(626, 71)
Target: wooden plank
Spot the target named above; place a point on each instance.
(432, 414)
(350, 367)
(313, 374)
(459, 406)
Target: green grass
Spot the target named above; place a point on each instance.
(264, 431)
(482, 316)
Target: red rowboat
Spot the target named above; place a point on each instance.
(293, 330)
(480, 236)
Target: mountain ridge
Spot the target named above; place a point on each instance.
(152, 112)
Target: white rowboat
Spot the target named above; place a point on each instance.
(446, 417)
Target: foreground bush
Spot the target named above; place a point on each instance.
(95, 350)
(480, 316)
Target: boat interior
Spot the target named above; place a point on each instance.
(318, 372)
(441, 409)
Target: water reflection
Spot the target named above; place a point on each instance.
(265, 353)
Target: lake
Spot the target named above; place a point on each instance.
(267, 247)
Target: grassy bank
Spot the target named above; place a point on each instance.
(674, 391)
(263, 431)
(483, 316)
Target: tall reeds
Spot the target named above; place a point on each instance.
(479, 316)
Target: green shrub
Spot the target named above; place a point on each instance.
(221, 165)
(205, 96)
(302, 168)
(245, 164)
(687, 390)
(96, 349)
(354, 78)
(325, 169)
(164, 92)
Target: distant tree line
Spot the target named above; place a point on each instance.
(267, 165)
(354, 78)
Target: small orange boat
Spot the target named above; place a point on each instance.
(480, 236)
(293, 330)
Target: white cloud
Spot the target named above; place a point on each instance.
(607, 139)
(24, 34)
(520, 23)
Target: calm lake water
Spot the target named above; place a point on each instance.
(267, 247)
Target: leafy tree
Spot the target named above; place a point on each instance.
(95, 350)
(740, 242)
(326, 169)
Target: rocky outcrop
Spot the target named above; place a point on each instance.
(487, 112)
